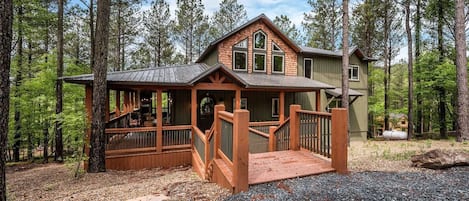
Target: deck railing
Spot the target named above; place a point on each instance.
(258, 141)
(226, 124)
(282, 136)
(119, 122)
(315, 131)
(263, 126)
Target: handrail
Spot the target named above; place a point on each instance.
(136, 129)
(226, 116)
(264, 123)
(199, 133)
(178, 127)
(259, 132)
(282, 124)
(315, 113)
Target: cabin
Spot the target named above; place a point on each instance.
(254, 108)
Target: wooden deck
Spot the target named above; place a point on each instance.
(279, 165)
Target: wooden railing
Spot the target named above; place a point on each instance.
(145, 139)
(281, 137)
(258, 141)
(263, 126)
(119, 122)
(315, 131)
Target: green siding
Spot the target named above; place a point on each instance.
(211, 59)
(182, 107)
(260, 105)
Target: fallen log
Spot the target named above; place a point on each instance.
(440, 159)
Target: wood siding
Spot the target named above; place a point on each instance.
(149, 160)
(225, 49)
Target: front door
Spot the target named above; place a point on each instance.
(205, 111)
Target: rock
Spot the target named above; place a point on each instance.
(439, 159)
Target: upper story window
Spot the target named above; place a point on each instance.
(308, 68)
(353, 73)
(278, 59)
(240, 55)
(260, 40)
(259, 62)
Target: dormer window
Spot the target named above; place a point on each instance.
(278, 58)
(259, 40)
(240, 55)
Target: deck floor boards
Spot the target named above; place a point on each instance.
(279, 165)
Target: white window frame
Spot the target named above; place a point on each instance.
(275, 111)
(254, 62)
(304, 67)
(254, 40)
(273, 49)
(245, 61)
(351, 67)
(273, 63)
(245, 41)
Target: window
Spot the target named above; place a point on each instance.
(275, 107)
(277, 59)
(240, 60)
(277, 63)
(206, 106)
(259, 40)
(240, 55)
(244, 103)
(308, 65)
(259, 62)
(353, 73)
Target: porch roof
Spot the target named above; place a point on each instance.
(337, 92)
(189, 75)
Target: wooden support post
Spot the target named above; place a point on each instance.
(217, 128)
(318, 100)
(89, 115)
(159, 120)
(237, 105)
(294, 128)
(272, 139)
(339, 140)
(137, 98)
(126, 102)
(118, 103)
(281, 103)
(107, 111)
(194, 107)
(240, 150)
(207, 151)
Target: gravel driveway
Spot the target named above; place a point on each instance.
(451, 184)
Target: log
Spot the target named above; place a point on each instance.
(440, 159)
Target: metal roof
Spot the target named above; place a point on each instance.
(338, 53)
(190, 75)
(170, 75)
(337, 92)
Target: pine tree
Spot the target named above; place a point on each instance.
(461, 68)
(59, 85)
(190, 14)
(322, 24)
(230, 15)
(288, 28)
(410, 98)
(158, 26)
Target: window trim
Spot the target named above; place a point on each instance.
(273, 63)
(350, 78)
(245, 61)
(254, 62)
(243, 40)
(254, 40)
(276, 51)
(275, 111)
(304, 67)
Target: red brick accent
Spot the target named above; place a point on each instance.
(225, 49)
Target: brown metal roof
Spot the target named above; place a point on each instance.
(190, 75)
(337, 92)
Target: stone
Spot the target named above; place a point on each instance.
(440, 159)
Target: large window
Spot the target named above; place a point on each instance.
(353, 73)
(259, 62)
(277, 59)
(259, 40)
(308, 68)
(240, 55)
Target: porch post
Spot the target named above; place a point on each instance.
(281, 103)
(126, 102)
(137, 97)
(89, 115)
(240, 150)
(294, 128)
(159, 120)
(106, 109)
(194, 107)
(272, 139)
(118, 103)
(318, 100)
(339, 140)
(237, 105)
(217, 128)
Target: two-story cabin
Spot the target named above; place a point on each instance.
(255, 67)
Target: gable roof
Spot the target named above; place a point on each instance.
(338, 53)
(190, 75)
(262, 17)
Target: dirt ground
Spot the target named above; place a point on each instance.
(56, 182)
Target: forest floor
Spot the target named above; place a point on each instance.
(56, 181)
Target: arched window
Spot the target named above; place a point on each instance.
(206, 105)
(259, 40)
(259, 51)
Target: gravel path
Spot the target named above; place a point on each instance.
(451, 184)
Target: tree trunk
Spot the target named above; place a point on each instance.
(345, 60)
(92, 34)
(97, 148)
(441, 90)
(386, 67)
(119, 35)
(45, 132)
(418, 27)
(6, 20)
(461, 69)
(59, 84)
(410, 98)
(18, 80)
(30, 75)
